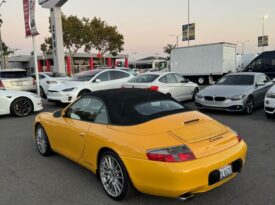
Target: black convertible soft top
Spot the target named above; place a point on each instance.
(120, 104)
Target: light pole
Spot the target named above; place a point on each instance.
(1, 44)
(177, 39)
(242, 43)
(188, 35)
(263, 31)
(135, 59)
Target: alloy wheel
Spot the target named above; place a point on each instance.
(22, 107)
(112, 176)
(41, 140)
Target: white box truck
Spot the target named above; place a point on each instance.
(204, 63)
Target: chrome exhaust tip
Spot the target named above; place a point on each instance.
(186, 197)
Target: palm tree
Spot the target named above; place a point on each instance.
(168, 49)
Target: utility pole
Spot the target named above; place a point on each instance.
(188, 23)
(263, 31)
(1, 43)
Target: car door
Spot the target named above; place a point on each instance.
(102, 81)
(118, 78)
(171, 85)
(186, 87)
(69, 133)
(263, 84)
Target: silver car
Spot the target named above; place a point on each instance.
(239, 92)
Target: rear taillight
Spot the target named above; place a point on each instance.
(172, 154)
(1, 84)
(154, 88)
(239, 138)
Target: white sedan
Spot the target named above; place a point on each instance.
(270, 102)
(86, 82)
(166, 82)
(49, 78)
(19, 103)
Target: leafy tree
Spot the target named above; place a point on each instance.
(102, 37)
(44, 48)
(168, 49)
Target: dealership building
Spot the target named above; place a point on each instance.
(78, 63)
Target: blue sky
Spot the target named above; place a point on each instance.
(147, 24)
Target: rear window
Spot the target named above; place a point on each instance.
(146, 78)
(13, 74)
(157, 107)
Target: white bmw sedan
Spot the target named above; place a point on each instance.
(86, 82)
(166, 82)
(19, 103)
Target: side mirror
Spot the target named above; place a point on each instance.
(260, 84)
(57, 114)
(97, 81)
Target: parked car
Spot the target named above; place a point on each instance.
(86, 82)
(49, 78)
(16, 79)
(166, 82)
(129, 70)
(19, 103)
(270, 102)
(135, 138)
(239, 92)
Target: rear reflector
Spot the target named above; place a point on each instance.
(1, 84)
(172, 154)
(154, 88)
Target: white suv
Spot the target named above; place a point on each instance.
(16, 79)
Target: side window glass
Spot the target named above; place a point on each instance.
(104, 76)
(180, 79)
(88, 109)
(115, 75)
(163, 79)
(171, 78)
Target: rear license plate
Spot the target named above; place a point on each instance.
(225, 172)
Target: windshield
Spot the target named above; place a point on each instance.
(236, 80)
(146, 78)
(85, 76)
(156, 107)
(13, 74)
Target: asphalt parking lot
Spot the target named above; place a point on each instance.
(27, 178)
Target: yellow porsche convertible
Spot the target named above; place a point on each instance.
(143, 140)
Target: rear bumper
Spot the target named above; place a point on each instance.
(270, 105)
(228, 105)
(176, 179)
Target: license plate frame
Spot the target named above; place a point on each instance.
(226, 172)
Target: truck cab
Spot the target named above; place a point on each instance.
(264, 63)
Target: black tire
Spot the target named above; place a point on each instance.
(83, 92)
(249, 106)
(46, 150)
(21, 107)
(196, 91)
(42, 93)
(269, 116)
(127, 187)
(201, 80)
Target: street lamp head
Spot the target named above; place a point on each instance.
(265, 16)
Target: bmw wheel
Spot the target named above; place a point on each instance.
(113, 176)
(249, 106)
(42, 141)
(21, 107)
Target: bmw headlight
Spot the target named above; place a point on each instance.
(237, 97)
(68, 90)
(199, 96)
(270, 95)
